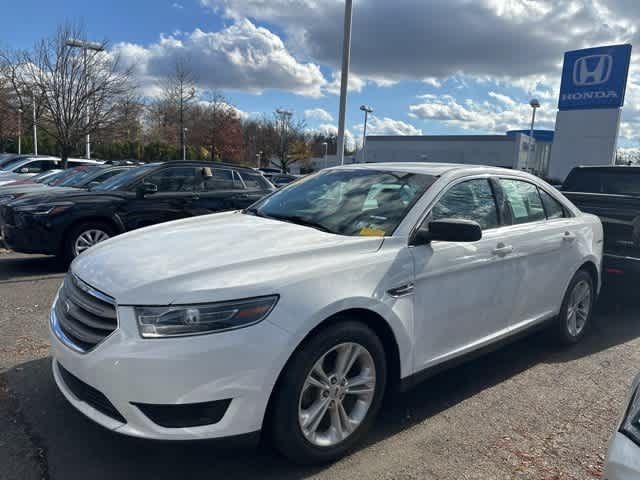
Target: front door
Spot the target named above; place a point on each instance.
(174, 199)
(463, 291)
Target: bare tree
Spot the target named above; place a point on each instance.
(78, 93)
(178, 91)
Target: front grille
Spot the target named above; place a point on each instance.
(89, 395)
(85, 315)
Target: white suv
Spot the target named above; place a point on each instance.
(295, 316)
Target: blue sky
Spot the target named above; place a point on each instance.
(426, 66)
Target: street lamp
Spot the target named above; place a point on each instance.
(285, 116)
(259, 159)
(346, 57)
(35, 126)
(367, 110)
(325, 149)
(84, 46)
(20, 131)
(535, 104)
(184, 143)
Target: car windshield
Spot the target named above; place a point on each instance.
(123, 179)
(42, 177)
(5, 160)
(356, 202)
(13, 163)
(79, 176)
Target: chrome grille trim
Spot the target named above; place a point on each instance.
(82, 317)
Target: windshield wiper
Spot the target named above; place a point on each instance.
(298, 220)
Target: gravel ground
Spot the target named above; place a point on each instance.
(526, 411)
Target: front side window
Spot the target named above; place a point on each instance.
(173, 179)
(470, 200)
(358, 202)
(254, 181)
(524, 201)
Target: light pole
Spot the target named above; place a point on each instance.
(19, 131)
(346, 57)
(259, 159)
(184, 143)
(84, 46)
(367, 110)
(285, 116)
(325, 149)
(535, 104)
(35, 127)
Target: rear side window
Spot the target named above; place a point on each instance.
(524, 201)
(222, 180)
(601, 181)
(470, 200)
(254, 181)
(551, 206)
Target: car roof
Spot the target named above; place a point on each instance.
(621, 168)
(429, 168)
(205, 163)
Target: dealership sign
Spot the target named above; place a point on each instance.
(594, 77)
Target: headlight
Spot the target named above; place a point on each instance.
(45, 208)
(631, 424)
(183, 320)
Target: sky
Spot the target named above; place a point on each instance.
(425, 66)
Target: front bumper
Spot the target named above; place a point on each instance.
(31, 235)
(623, 460)
(241, 365)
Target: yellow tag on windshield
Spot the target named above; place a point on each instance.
(371, 232)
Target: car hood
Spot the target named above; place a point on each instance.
(32, 188)
(214, 257)
(58, 194)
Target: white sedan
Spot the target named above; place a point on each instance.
(623, 460)
(296, 316)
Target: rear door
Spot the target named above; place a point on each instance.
(219, 192)
(176, 198)
(542, 236)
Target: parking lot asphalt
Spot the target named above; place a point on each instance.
(526, 411)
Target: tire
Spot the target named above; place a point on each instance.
(295, 397)
(565, 331)
(95, 228)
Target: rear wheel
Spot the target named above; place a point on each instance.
(575, 315)
(84, 236)
(330, 393)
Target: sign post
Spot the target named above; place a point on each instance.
(594, 82)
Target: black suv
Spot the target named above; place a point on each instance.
(67, 224)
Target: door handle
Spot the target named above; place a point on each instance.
(502, 250)
(568, 236)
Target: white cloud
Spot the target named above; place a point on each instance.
(508, 101)
(482, 117)
(242, 56)
(318, 114)
(388, 126)
(177, 5)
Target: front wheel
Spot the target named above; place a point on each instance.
(330, 393)
(575, 314)
(84, 236)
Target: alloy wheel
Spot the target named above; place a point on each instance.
(579, 308)
(337, 394)
(88, 239)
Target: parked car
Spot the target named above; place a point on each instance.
(68, 223)
(25, 166)
(295, 315)
(282, 180)
(6, 158)
(612, 193)
(83, 177)
(623, 459)
(38, 178)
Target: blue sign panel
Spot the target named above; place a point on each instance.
(594, 77)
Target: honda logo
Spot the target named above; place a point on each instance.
(592, 70)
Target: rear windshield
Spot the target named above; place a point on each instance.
(599, 181)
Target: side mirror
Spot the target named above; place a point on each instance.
(448, 230)
(146, 189)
